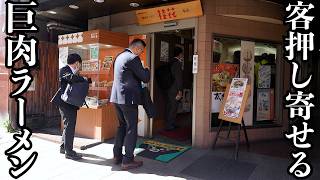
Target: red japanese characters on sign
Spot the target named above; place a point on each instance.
(168, 13)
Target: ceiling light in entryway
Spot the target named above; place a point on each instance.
(72, 6)
(52, 12)
(133, 4)
(99, 1)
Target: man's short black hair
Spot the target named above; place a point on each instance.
(177, 51)
(73, 58)
(137, 42)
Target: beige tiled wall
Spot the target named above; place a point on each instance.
(214, 23)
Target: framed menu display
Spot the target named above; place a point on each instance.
(235, 100)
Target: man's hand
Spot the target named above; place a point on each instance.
(179, 95)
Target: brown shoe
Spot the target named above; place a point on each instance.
(117, 160)
(131, 165)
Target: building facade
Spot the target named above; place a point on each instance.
(241, 25)
(224, 36)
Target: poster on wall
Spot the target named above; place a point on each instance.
(90, 66)
(94, 53)
(265, 100)
(185, 103)
(164, 51)
(216, 101)
(106, 63)
(264, 76)
(222, 75)
(63, 56)
(247, 71)
(182, 47)
(235, 97)
(32, 87)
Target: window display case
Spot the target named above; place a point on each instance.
(97, 62)
(97, 48)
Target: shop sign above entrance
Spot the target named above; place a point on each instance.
(169, 13)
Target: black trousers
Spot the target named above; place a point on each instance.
(69, 117)
(127, 131)
(171, 109)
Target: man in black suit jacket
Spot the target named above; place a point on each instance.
(126, 95)
(68, 75)
(174, 93)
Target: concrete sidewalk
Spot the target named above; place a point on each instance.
(193, 164)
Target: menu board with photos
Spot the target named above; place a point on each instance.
(234, 101)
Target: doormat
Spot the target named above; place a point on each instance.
(179, 134)
(161, 151)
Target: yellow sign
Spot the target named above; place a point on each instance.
(169, 13)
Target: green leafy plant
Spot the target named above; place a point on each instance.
(7, 125)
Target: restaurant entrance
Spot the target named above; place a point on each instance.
(164, 45)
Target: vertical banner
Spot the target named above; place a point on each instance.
(63, 56)
(247, 71)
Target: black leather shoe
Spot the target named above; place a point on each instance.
(62, 150)
(133, 164)
(73, 156)
(117, 160)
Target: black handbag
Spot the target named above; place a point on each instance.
(75, 94)
(56, 99)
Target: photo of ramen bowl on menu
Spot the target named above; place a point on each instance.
(220, 81)
(232, 107)
(238, 84)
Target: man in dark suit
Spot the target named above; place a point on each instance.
(174, 93)
(68, 75)
(126, 95)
